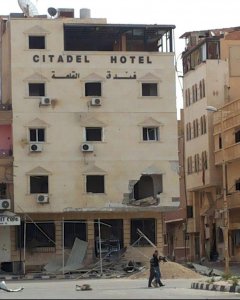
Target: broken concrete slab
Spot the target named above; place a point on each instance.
(202, 269)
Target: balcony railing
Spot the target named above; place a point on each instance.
(233, 201)
(230, 153)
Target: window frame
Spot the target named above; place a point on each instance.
(42, 190)
(92, 94)
(88, 128)
(37, 36)
(156, 133)
(102, 189)
(156, 85)
(42, 93)
(37, 129)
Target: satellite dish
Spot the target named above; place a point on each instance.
(28, 8)
(52, 11)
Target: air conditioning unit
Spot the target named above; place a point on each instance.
(87, 148)
(45, 101)
(42, 198)
(36, 147)
(96, 101)
(5, 203)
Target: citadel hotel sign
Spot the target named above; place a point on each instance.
(113, 59)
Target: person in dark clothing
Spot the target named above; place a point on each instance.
(155, 270)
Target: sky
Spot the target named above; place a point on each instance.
(186, 15)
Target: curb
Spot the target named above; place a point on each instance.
(35, 277)
(215, 287)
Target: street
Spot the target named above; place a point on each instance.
(110, 289)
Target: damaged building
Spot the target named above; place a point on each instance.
(94, 134)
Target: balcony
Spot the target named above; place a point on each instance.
(231, 153)
(233, 201)
(5, 114)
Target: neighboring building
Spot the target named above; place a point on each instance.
(6, 180)
(227, 148)
(211, 78)
(176, 238)
(94, 132)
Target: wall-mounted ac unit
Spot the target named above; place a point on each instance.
(35, 147)
(45, 101)
(42, 198)
(96, 101)
(5, 204)
(87, 147)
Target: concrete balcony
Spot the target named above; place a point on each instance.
(230, 153)
(233, 201)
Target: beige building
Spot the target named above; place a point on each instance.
(211, 78)
(94, 132)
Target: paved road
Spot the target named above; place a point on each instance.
(110, 289)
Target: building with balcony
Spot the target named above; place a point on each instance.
(226, 125)
(211, 78)
(94, 132)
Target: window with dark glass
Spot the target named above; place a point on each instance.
(189, 211)
(95, 184)
(36, 42)
(38, 184)
(36, 89)
(37, 134)
(237, 185)
(93, 89)
(93, 134)
(149, 89)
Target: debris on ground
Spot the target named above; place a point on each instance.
(6, 289)
(84, 287)
(204, 270)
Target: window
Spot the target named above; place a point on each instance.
(196, 163)
(204, 160)
(147, 226)
(196, 92)
(200, 89)
(193, 94)
(93, 89)
(195, 128)
(36, 89)
(37, 235)
(149, 89)
(95, 184)
(150, 133)
(189, 211)
(219, 141)
(189, 165)
(37, 135)
(203, 88)
(93, 133)
(72, 230)
(237, 136)
(38, 184)
(237, 185)
(36, 42)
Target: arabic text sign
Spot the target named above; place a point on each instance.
(7, 220)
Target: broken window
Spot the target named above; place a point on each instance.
(36, 42)
(111, 235)
(147, 186)
(37, 235)
(149, 89)
(37, 135)
(150, 133)
(38, 184)
(36, 89)
(95, 184)
(93, 89)
(148, 227)
(72, 230)
(93, 133)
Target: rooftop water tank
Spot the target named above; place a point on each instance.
(85, 13)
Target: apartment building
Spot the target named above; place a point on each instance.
(94, 133)
(211, 78)
(176, 238)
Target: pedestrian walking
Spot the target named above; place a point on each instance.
(155, 270)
